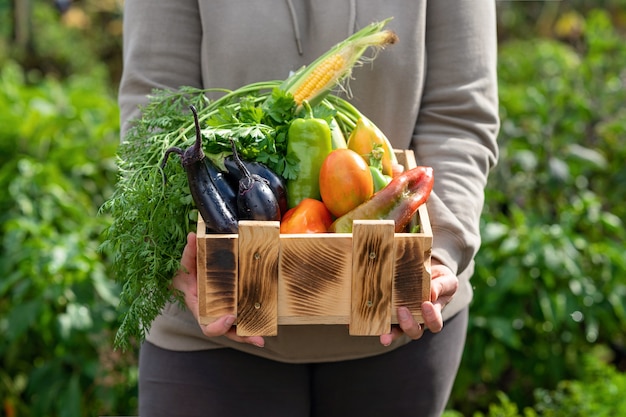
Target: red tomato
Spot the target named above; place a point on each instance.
(345, 181)
(309, 216)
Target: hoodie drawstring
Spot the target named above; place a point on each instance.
(352, 19)
(296, 26)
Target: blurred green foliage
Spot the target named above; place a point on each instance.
(599, 394)
(57, 302)
(59, 132)
(62, 37)
(549, 282)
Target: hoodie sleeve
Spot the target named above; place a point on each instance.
(161, 50)
(458, 123)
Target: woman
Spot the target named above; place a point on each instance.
(434, 92)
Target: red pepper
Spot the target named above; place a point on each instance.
(309, 216)
(398, 201)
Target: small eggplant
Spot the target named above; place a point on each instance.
(216, 212)
(276, 182)
(255, 198)
(225, 185)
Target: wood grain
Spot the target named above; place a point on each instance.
(217, 275)
(372, 277)
(412, 270)
(259, 249)
(312, 288)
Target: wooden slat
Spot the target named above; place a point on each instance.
(217, 275)
(412, 258)
(406, 158)
(372, 277)
(312, 288)
(411, 275)
(259, 249)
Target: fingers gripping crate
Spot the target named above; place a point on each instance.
(359, 279)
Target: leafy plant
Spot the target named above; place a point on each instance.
(57, 302)
(598, 394)
(45, 38)
(549, 278)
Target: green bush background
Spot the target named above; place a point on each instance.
(546, 333)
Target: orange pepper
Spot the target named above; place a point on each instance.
(365, 137)
(309, 216)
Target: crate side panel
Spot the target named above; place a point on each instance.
(411, 274)
(314, 279)
(372, 277)
(217, 276)
(259, 249)
(424, 222)
(407, 158)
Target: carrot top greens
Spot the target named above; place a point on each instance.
(151, 217)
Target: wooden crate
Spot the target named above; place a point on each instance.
(269, 279)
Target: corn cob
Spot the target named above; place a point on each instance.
(330, 69)
(313, 82)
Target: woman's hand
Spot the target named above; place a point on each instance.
(443, 286)
(186, 280)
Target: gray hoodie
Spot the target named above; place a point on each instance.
(435, 92)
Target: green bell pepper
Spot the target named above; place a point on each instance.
(308, 140)
(380, 180)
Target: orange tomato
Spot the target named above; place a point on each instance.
(308, 216)
(345, 181)
(365, 136)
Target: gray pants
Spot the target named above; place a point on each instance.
(413, 380)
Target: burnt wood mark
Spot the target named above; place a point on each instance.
(372, 277)
(217, 277)
(259, 248)
(312, 277)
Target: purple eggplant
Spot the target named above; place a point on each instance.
(255, 198)
(218, 213)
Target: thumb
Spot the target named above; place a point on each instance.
(185, 279)
(190, 252)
